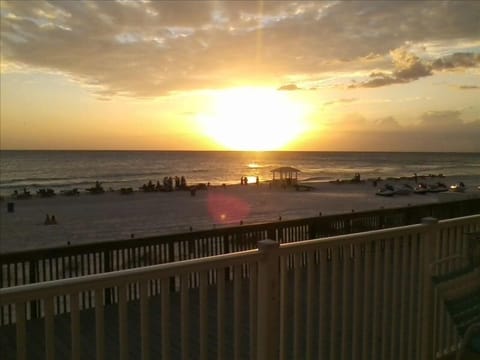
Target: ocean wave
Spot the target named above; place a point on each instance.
(317, 178)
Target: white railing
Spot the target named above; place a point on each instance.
(225, 272)
(359, 296)
(452, 249)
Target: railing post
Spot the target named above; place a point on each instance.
(430, 241)
(268, 301)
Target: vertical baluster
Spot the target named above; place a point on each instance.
(15, 275)
(297, 306)
(334, 303)
(440, 342)
(323, 313)
(444, 236)
(252, 291)
(184, 316)
(356, 335)
(49, 329)
(283, 306)
(346, 297)
(220, 313)
(395, 305)
(404, 304)
(367, 302)
(237, 311)
(377, 293)
(203, 326)
(387, 298)
(451, 247)
(100, 324)
(419, 294)
(21, 331)
(165, 317)
(63, 299)
(75, 327)
(122, 321)
(144, 320)
(459, 235)
(310, 300)
(458, 246)
(412, 291)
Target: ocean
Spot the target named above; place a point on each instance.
(61, 170)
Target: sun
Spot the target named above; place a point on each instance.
(254, 119)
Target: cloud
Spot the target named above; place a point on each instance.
(449, 121)
(457, 60)
(289, 87)
(388, 123)
(434, 131)
(409, 67)
(468, 87)
(339, 101)
(139, 48)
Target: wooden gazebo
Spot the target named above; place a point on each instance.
(285, 175)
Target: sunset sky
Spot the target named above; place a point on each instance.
(241, 75)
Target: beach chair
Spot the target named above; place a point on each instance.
(460, 292)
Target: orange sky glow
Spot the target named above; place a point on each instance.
(240, 75)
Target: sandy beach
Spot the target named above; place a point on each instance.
(111, 216)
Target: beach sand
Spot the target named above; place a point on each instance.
(111, 216)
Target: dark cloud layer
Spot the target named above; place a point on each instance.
(433, 131)
(152, 48)
(409, 67)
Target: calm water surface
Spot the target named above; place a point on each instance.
(80, 169)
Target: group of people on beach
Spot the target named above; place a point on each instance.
(244, 180)
(169, 184)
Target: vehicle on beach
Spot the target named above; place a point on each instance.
(406, 189)
(46, 192)
(438, 187)
(391, 190)
(25, 194)
(97, 189)
(386, 190)
(421, 189)
(71, 192)
(459, 187)
(126, 191)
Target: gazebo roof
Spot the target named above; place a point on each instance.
(285, 169)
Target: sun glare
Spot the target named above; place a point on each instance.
(253, 119)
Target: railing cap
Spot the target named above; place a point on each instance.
(429, 221)
(267, 245)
